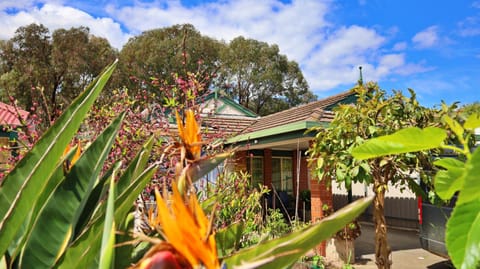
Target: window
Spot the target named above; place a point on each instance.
(256, 170)
(282, 174)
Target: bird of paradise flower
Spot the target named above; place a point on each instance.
(190, 242)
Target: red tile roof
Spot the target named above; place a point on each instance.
(10, 116)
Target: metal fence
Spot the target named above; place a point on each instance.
(400, 212)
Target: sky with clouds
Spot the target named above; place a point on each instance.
(430, 46)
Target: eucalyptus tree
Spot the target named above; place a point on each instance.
(51, 69)
(374, 114)
(166, 54)
(260, 78)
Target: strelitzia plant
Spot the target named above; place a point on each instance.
(56, 210)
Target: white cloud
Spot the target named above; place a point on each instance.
(296, 27)
(328, 54)
(55, 16)
(470, 26)
(400, 46)
(426, 38)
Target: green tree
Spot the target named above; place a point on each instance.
(166, 54)
(260, 78)
(53, 69)
(374, 114)
(470, 109)
(456, 177)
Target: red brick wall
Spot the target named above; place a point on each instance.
(321, 194)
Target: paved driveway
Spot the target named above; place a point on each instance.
(406, 251)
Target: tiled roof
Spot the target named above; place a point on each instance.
(314, 111)
(9, 116)
(228, 125)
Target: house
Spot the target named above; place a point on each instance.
(224, 116)
(273, 149)
(9, 121)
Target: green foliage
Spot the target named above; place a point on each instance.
(286, 250)
(236, 202)
(59, 66)
(72, 194)
(275, 224)
(374, 114)
(455, 176)
(40, 244)
(260, 78)
(159, 53)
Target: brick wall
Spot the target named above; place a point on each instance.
(321, 194)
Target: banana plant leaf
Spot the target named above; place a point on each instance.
(62, 211)
(284, 251)
(24, 184)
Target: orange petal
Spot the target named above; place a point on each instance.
(77, 155)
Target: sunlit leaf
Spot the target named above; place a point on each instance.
(63, 210)
(403, 141)
(451, 180)
(471, 189)
(107, 251)
(454, 126)
(24, 184)
(472, 122)
(463, 235)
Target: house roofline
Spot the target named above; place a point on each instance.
(278, 130)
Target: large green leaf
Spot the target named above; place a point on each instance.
(83, 252)
(463, 235)
(228, 238)
(284, 251)
(471, 186)
(124, 250)
(451, 180)
(99, 191)
(136, 167)
(107, 251)
(24, 184)
(403, 141)
(22, 235)
(472, 122)
(62, 211)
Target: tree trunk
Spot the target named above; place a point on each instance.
(382, 249)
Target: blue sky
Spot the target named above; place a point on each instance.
(430, 46)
